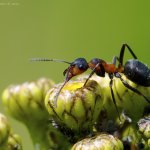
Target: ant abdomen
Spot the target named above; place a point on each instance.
(137, 72)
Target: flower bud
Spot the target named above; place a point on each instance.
(144, 127)
(130, 136)
(8, 140)
(4, 130)
(99, 142)
(77, 107)
(25, 102)
(14, 142)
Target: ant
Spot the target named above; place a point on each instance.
(133, 69)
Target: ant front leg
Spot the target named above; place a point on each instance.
(91, 74)
(117, 75)
(122, 53)
(112, 93)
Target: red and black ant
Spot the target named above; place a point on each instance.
(133, 69)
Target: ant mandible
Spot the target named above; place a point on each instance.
(133, 69)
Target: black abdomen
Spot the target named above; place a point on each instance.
(137, 72)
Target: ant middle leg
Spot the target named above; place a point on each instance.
(117, 75)
(91, 74)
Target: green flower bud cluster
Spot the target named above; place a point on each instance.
(75, 102)
(80, 111)
(8, 140)
(25, 102)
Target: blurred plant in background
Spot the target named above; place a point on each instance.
(8, 139)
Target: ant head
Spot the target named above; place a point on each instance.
(77, 67)
(81, 64)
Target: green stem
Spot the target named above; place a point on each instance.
(39, 135)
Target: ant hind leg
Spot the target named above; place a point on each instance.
(122, 53)
(130, 87)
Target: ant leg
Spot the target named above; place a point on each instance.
(93, 71)
(122, 53)
(115, 58)
(112, 94)
(130, 87)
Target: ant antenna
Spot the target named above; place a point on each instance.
(46, 59)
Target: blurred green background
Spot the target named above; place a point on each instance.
(66, 29)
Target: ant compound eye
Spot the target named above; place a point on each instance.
(81, 66)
